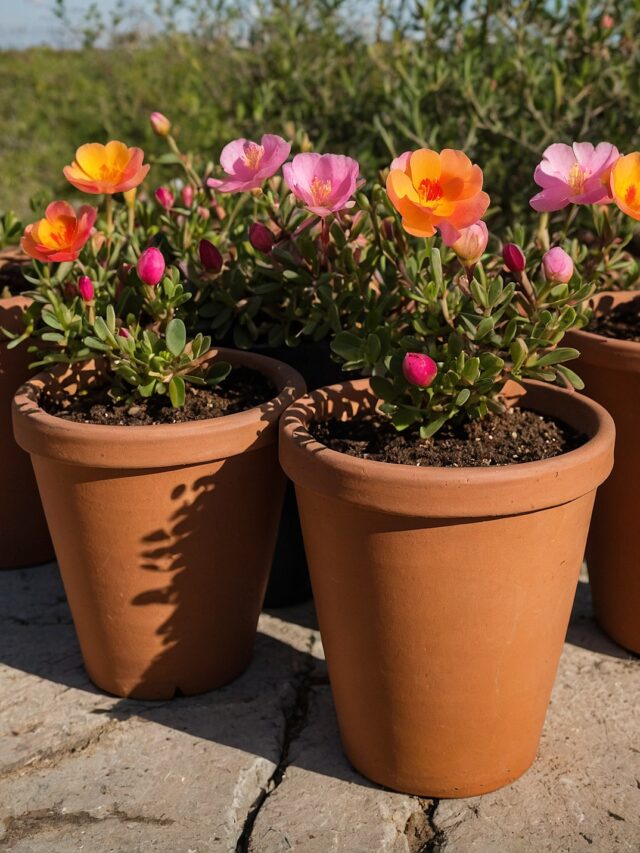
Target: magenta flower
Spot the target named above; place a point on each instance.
(210, 256)
(164, 197)
(557, 265)
(151, 266)
(514, 258)
(85, 286)
(324, 183)
(574, 174)
(419, 369)
(261, 238)
(248, 164)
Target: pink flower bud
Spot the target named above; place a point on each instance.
(164, 197)
(606, 21)
(151, 266)
(260, 237)
(419, 369)
(124, 333)
(210, 256)
(85, 286)
(471, 243)
(187, 195)
(204, 213)
(160, 124)
(514, 258)
(557, 265)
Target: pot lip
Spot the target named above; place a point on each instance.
(602, 348)
(155, 445)
(449, 492)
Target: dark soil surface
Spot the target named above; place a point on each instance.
(622, 322)
(12, 282)
(517, 436)
(242, 389)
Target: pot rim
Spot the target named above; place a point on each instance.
(602, 350)
(154, 445)
(407, 490)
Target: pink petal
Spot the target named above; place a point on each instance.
(401, 162)
(303, 169)
(558, 159)
(584, 152)
(232, 159)
(547, 181)
(234, 185)
(448, 232)
(549, 200)
(276, 151)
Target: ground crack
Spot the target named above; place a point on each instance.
(429, 839)
(296, 716)
(36, 822)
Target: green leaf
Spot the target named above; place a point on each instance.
(348, 346)
(177, 391)
(462, 397)
(176, 336)
(572, 377)
(556, 356)
(432, 428)
(218, 371)
(382, 388)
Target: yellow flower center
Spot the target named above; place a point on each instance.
(577, 176)
(430, 192)
(253, 154)
(320, 191)
(56, 234)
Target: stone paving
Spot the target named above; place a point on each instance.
(257, 766)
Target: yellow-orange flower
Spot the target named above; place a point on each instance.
(625, 184)
(436, 190)
(61, 234)
(110, 168)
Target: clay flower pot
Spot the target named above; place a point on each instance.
(443, 595)
(610, 369)
(164, 534)
(24, 537)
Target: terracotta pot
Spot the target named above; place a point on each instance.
(24, 537)
(611, 371)
(443, 595)
(164, 534)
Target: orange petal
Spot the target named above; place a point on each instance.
(424, 164)
(455, 164)
(469, 211)
(399, 186)
(58, 209)
(90, 159)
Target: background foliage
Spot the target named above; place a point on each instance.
(499, 79)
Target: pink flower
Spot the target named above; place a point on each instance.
(160, 124)
(248, 164)
(210, 256)
(124, 333)
(419, 369)
(557, 265)
(151, 266)
(187, 195)
(471, 243)
(164, 197)
(514, 258)
(85, 286)
(260, 237)
(322, 182)
(574, 174)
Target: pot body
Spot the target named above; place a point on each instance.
(289, 582)
(443, 595)
(24, 537)
(611, 372)
(164, 534)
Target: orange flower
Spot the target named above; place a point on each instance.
(436, 190)
(625, 184)
(110, 168)
(61, 234)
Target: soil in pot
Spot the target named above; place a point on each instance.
(609, 364)
(517, 436)
(164, 532)
(24, 537)
(443, 593)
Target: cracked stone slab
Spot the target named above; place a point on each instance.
(257, 766)
(83, 771)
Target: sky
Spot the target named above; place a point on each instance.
(29, 22)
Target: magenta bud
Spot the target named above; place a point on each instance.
(164, 197)
(419, 369)
(187, 195)
(124, 333)
(85, 286)
(210, 256)
(261, 238)
(514, 258)
(151, 266)
(160, 124)
(557, 265)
